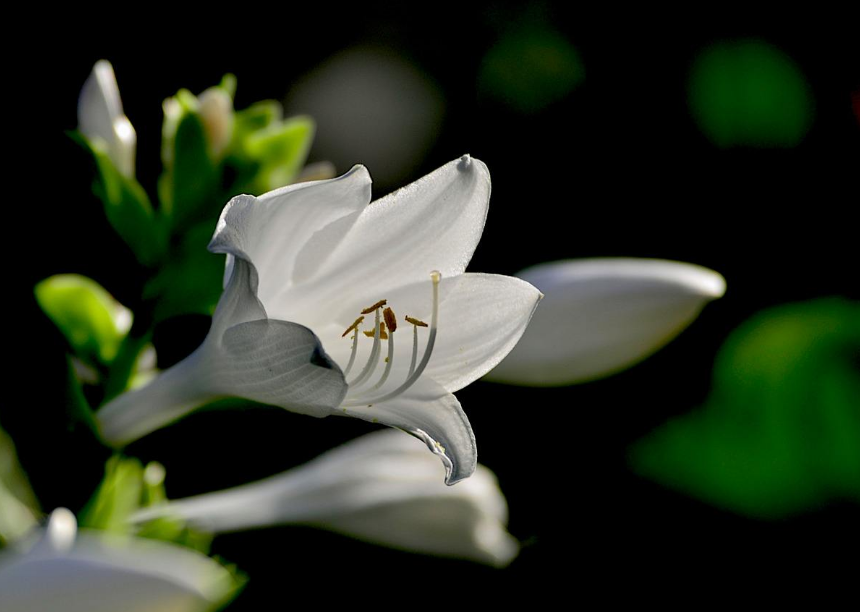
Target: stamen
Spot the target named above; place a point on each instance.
(370, 309)
(374, 355)
(354, 325)
(353, 353)
(388, 360)
(414, 349)
(435, 276)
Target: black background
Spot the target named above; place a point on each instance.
(616, 168)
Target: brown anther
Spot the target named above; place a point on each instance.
(382, 334)
(390, 319)
(370, 309)
(415, 321)
(352, 327)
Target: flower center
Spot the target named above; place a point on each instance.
(385, 324)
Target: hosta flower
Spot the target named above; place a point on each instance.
(101, 120)
(334, 306)
(383, 488)
(603, 315)
(60, 570)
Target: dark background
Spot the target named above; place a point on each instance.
(617, 167)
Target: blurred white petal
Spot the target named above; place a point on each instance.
(382, 488)
(600, 316)
(101, 119)
(303, 262)
(60, 570)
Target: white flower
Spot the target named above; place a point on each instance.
(383, 488)
(101, 120)
(60, 570)
(303, 262)
(603, 315)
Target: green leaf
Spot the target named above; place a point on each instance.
(192, 282)
(191, 178)
(18, 506)
(257, 117)
(117, 498)
(126, 206)
(780, 433)
(281, 151)
(92, 321)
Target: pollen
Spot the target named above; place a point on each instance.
(370, 309)
(390, 319)
(383, 335)
(415, 321)
(352, 327)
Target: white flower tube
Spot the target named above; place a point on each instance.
(600, 316)
(383, 488)
(310, 260)
(101, 119)
(60, 570)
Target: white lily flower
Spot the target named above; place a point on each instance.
(303, 262)
(101, 120)
(383, 488)
(603, 315)
(61, 570)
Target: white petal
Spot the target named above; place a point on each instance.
(99, 573)
(269, 231)
(278, 363)
(239, 302)
(600, 316)
(433, 224)
(434, 416)
(100, 117)
(383, 487)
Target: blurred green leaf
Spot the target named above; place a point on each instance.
(117, 498)
(749, 93)
(780, 433)
(257, 117)
(280, 151)
(126, 206)
(191, 178)
(92, 321)
(19, 508)
(193, 281)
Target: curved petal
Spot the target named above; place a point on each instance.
(100, 117)
(278, 363)
(383, 487)
(94, 572)
(433, 224)
(239, 302)
(271, 230)
(434, 416)
(603, 315)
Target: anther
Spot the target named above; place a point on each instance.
(415, 321)
(370, 309)
(390, 319)
(382, 333)
(352, 327)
